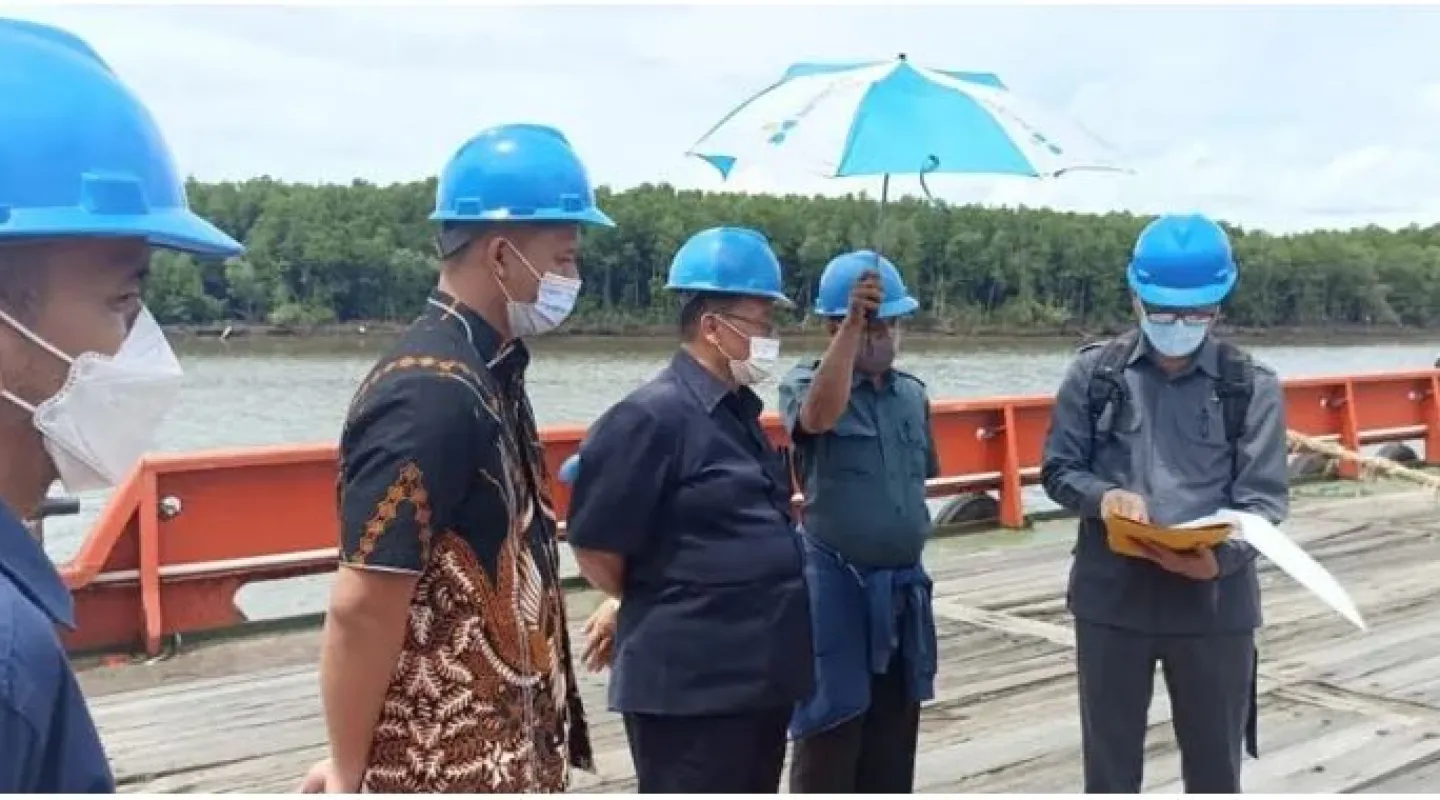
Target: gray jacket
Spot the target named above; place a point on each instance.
(1167, 443)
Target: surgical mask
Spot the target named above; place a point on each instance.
(1174, 339)
(759, 366)
(554, 301)
(106, 413)
(877, 354)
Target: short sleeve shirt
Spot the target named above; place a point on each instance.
(680, 479)
(864, 480)
(442, 476)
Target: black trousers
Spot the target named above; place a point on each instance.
(873, 753)
(1211, 684)
(732, 753)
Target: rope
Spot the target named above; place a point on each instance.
(1370, 466)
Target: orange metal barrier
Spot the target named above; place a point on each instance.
(185, 532)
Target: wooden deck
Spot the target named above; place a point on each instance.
(1341, 710)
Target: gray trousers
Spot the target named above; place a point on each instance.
(1211, 680)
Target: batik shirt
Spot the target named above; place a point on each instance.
(441, 476)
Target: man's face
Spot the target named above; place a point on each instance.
(734, 325)
(541, 248)
(88, 297)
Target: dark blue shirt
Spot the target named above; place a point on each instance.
(48, 743)
(680, 480)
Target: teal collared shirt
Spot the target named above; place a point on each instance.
(864, 480)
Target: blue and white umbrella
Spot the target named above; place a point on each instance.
(896, 118)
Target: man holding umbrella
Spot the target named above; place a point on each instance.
(863, 450)
(1167, 424)
(681, 511)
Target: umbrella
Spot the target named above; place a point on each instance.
(894, 117)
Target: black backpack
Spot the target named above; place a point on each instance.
(1107, 390)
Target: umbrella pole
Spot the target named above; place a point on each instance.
(880, 219)
(884, 196)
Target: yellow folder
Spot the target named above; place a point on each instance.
(1123, 533)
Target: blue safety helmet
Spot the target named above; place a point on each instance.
(517, 173)
(729, 261)
(1182, 261)
(80, 155)
(833, 297)
(569, 469)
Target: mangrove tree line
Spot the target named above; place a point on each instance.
(337, 253)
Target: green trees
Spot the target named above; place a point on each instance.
(320, 254)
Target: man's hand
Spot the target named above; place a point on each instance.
(1197, 565)
(865, 298)
(600, 636)
(1120, 503)
(323, 778)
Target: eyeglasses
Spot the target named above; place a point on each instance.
(765, 328)
(1187, 316)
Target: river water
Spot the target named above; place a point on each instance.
(275, 391)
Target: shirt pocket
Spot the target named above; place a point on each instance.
(1199, 428)
(852, 450)
(914, 441)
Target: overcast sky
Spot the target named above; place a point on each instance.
(1285, 118)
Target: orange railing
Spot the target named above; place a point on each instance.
(185, 532)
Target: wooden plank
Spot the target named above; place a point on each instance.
(1341, 710)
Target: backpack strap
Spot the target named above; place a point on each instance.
(1234, 388)
(1106, 391)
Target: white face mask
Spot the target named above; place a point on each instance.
(105, 416)
(760, 366)
(554, 301)
(1174, 339)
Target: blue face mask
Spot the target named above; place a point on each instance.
(1174, 339)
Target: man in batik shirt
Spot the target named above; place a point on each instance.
(446, 665)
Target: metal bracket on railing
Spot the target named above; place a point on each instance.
(169, 648)
(51, 507)
(989, 433)
(58, 507)
(170, 508)
(1332, 402)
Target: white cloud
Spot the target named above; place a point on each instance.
(1278, 117)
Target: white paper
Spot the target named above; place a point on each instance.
(1284, 553)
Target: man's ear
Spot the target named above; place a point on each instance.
(707, 326)
(495, 254)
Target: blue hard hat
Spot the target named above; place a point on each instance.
(1182, 261)
(569, 469)
(833, 297)
(517, 173)
(729, 261)
(80, 155)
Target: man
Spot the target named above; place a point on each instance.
(863, 448)
(446, 663)
(681, 511)
(1167, 425)
(87, 188)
